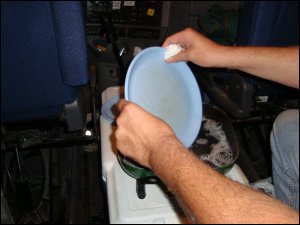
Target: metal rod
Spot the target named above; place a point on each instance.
(59, 142)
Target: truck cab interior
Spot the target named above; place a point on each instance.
(59, 57)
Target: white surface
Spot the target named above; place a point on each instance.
(129, 3)
(172, 49)
(123, 204)
(116, 5)
(236, 174)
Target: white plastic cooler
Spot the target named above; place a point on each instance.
(123, 204)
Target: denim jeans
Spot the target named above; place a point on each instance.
(285, 157)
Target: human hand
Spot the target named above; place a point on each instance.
(139, 134)
(197, 49)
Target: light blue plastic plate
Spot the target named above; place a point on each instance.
(109, 110)
(167, 90)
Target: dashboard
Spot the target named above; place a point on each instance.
(131, 19)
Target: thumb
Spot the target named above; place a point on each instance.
(181, 56)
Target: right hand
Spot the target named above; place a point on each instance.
(139, 134)
(197, 48)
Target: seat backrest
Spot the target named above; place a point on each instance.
(269, 23)
(262, 23)
(43, 58)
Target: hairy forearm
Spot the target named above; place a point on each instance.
(211, 197)
(278, 64)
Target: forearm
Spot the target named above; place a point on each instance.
(278, 64)
(211, 197)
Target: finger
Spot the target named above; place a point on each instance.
(173, 39)
(181, 37)
(181, 56)
(121, 104)
(167, 42)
